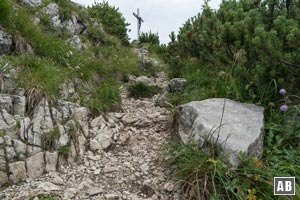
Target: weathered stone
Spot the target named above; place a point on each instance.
(66, 108)
(51, 159)
(144, 79)
(56, 115)
(94, 191)
(103, 139)
(51, 9)
(35, 165)
(112, 197)
(25, 125)
(67, 90)
(57, 180)
(81, 116)
(41, 123)
(64, 137)
(5, 42)
(10, 151)
(177, 85)
(49, 187)
(3, 178)
(20, 149)
(69, 193)
(129, 119)
(17, 172)
(76, 42)
(98, 123)
(32, 2)
(240, 129)
(72, 26)
(7, 122)
(56, 22)
(32, 150)
(6, 102)
(19, 105)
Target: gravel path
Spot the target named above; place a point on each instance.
(130, 169)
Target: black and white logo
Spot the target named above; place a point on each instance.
(284, 186)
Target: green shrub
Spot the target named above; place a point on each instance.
(151, 38)
(140, 89)
(50, 139)
(47, 197)
(64, 150)
(112, 20)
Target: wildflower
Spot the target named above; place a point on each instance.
(284, 107)
(282, 91)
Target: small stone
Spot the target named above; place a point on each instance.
(112, 197)
(169, 187)
(69, 193)
(109, 169)
(97, 172)
(57, 180)
(94, 191)
(48, 187)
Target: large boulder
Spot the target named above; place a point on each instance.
(5, 42)
(238, 129)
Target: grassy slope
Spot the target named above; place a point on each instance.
(55, 61)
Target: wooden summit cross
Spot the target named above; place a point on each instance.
(139, 22)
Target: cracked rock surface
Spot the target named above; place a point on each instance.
(123, 162)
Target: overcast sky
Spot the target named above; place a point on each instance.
(162, 16)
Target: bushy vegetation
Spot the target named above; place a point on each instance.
(112, 20)
(140, 89)
(150, 38)
(245, 51)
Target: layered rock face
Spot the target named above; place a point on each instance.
(233, 126)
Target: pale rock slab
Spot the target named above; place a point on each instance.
(35, 165)
(51, 159)
(242, 126)
(17, 172)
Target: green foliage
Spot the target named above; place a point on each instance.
(140, 89)
(47, 197)
(257, 40)
(64, 150)
(103, 97)
(111, 19)
(49, 140)
(204, 175)
(16, 20)
(151, 38)
(36, 72)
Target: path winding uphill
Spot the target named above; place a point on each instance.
(129, 169)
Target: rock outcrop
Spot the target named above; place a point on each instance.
(240, 128)
(5, 42)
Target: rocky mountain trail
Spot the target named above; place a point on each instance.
(121, 164)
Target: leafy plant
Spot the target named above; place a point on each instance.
(140, 89)
(50, 139)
